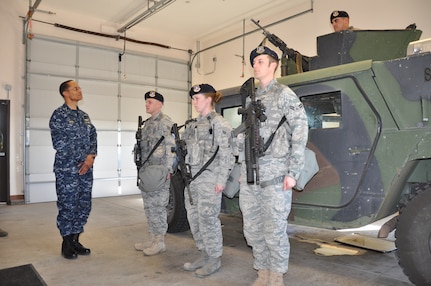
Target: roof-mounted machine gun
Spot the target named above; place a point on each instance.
(302, 62)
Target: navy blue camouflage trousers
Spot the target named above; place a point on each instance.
(73, 201)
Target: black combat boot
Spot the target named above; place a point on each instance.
(79, 248)
(67, 249)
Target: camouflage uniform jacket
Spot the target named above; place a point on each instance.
(153, 129)
(73, 137)
(202, 136)
(285, 155)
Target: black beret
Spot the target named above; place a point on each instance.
(262, 50)
(337, 13)
(201, 88)
(155, 95)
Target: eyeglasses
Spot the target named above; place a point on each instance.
(76, 88)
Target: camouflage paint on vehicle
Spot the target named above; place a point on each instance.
(368, 107)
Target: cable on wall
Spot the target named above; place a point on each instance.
(120, 55)
(116, 37)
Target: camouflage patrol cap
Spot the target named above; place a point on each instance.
(262, 50)
(201, 88)
(338, 14)
(155, 95)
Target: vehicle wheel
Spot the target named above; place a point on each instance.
(413, 238)
(177, 215)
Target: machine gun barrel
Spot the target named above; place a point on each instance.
(291, 53)
(276, 41)
(181, 151)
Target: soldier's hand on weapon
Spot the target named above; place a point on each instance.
(288, 183)
(219, 189)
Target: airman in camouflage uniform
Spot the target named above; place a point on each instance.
(155, 202)
(209, 136)
(266, 207)
(74, 139)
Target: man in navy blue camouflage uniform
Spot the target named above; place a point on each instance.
(75, 140)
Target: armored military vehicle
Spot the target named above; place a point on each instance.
(368, 103)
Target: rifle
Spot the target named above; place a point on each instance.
(253, 115)
(137, 151)
(291, 53)
(181, 151)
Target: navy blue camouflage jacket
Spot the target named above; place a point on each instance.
(73, 137)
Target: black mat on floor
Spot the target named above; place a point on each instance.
(21, 275)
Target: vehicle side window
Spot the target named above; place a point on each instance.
(232, 116)
(323, 110)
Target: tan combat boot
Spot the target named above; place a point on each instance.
(157, 247)
(262, 278)
(198, 263)
(275, 279)
(140, 246)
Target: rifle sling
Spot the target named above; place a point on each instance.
(268, 143)
(154, 149)
(206, 164)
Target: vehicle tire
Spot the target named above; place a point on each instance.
(177, 215)
(413, 238)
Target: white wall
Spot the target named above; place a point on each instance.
(11, 72)
(299, 33)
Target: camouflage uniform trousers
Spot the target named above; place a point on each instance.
(155, 204)
(203, 216)
(73, 201)
(265, 212)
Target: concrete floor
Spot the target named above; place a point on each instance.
(116, 223)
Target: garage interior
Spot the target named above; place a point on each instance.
(184, 42)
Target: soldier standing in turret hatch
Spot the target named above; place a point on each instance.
(74, 139)
(266, 206)
(340, 21)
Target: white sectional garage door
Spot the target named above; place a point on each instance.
(113, 93)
